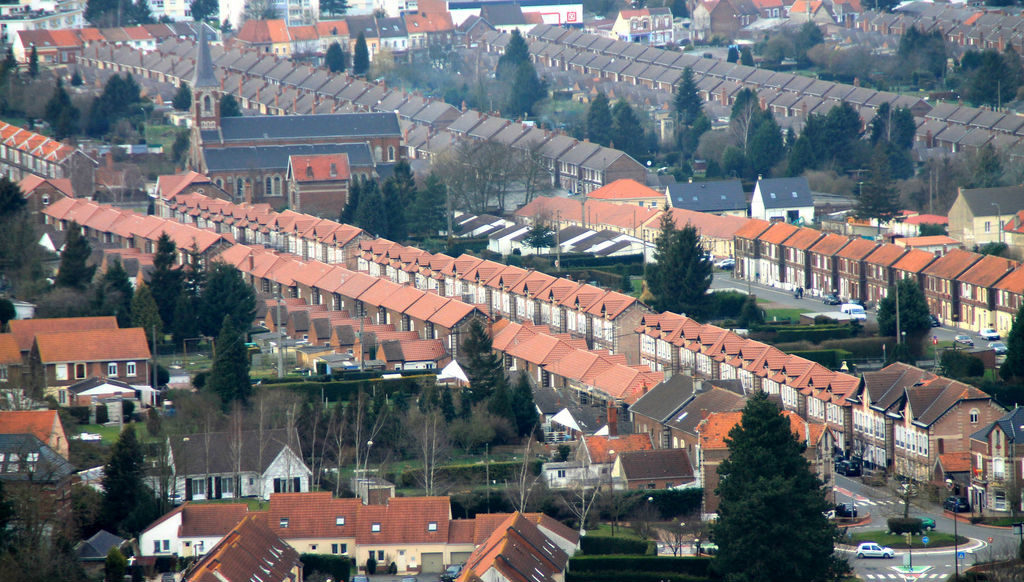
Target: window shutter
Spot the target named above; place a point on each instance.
(298, 485)
(188, 489)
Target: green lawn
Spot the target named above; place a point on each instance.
(935, 539)
(621, 531)
(254, 504)
(779, 314)
(109, 434)
(162, 135)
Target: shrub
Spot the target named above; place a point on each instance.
(371, 566)
(726, 304)
(80, 414)
(861, 347)
(604, 545)
(960, 365)
(687, 566)
(902, 525)
(335, 567)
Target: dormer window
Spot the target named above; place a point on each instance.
(375, 527)
(432, 526)
(340, 520)
(284, 523)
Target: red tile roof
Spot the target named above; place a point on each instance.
(952, 264)
(604, 449)
(624, 189)
(857, 249)
(956, 462)
(803, 238)
(777, 233)
(210, 519)
(25, 330)
(829, 244)
(914, 261)
(312, 515)
(885, 255)
(987, 271)
(99, 345)
(517, 551)
(753, 228)
(404, 520)
(319, 168)
(715, 428)
(9, 352)
(250, 551)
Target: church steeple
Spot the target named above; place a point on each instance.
(205, 87)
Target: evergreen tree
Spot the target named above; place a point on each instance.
(395, 207)
(9, 64)
(112, 294)
(1012, 369)
(746, 57)
(226, 294)
(629, 134)
(12, 200)
(540, 236)
(878, 198)
(766, 147)
(484, 368)
(140, 13)
(348, 213)
(599, 121)
(146, 314)
(203, 10)
(183, 98)
(229, 376)
(428, 216)
(801, 156)
(74, 271)
(915, 319)
(523, 406)
(986, 167)
(33, 63)
(372, 215)
(165, 280)
(335, 58)
(361, 57)
(527, 89)
(7, 313)
(185, 324)
(60, 113)
(516, 54)
(114, 566)
(128, 504)
(447, 404)
(733, 55)
(768, 509)
(331, 8)
(500, 402)
(229, 106)
(687, 104)
(121, 99)
(680, 279)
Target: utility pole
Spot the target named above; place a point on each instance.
(280, 340)
(558, 241)
(898, 336)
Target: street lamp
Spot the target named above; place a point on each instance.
(999, 220)
(956, 549)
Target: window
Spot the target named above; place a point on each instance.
(312, 547)
(380, 555)
(432, 526)
(61, 371)
(199, 487)
(3, 373)
(284, 522)
(228, 484)
(167, 545)
(561, 473)
(207, 104)
(130, 369)
(268, 188)
(46, 199)
(339, 548)
(974, 415)
(112, 370)
(375, 527)
(391, 153)
(156, 546)
(79, 371)
(340, 520)
(988, 226)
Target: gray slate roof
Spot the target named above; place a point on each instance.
(49, 467)
(717, 196)
(1012, 426)
(97, 547)
(342, 125)
(206, 453)
(981, 200)
(662, 401)
(785, 192)
(204, 64)
(275, 157)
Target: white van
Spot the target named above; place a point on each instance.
(855, 311)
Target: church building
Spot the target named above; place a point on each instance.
(248, 156)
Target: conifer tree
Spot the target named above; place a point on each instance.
(682, 274)
(182, 98)
(74, 272)
(484, 368)
(599, 120)
(229, 376)
(165, 280)
(128, 504)
(523, 406)
(112, 294)
(1013, 367)
(335, 58)
(360, 57)
(146, 314)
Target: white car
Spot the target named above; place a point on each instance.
(989, 334)
(873, 550)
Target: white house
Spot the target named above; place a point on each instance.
(190, 530)
(226, 466)
(783, 199)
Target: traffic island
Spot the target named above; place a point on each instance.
(899, 541)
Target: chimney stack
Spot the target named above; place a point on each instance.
(613, 420)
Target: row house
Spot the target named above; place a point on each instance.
(748, 249)
(978, 293)
(773, 253)
(824, 264)
(878, 271)
(24, 152)
(1009, 296)
(797, 270)
(997, 465)
(851, 268)
(939, 281)
(905, 417)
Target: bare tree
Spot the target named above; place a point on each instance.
(579, 499)
(236, 421)
(479, 175)
(905, 492)
(522, 490)
(534, 175)
(430, 432)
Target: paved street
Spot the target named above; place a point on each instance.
(939, 563)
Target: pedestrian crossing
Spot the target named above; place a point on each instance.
(879, 503)
(894, 576)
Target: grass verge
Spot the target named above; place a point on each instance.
(898, 541)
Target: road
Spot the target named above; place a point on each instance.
(938, 563)
(725, 280)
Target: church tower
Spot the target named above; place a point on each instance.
(205, 88)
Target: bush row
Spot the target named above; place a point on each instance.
(466, 474)
(81, 414)
(690, 566)
(794, 333)
(346, 390)
(607, 545)
(571, 576)
(335, 567)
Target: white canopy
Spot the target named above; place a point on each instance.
(564, 418)
(603, 431)
(452, 372)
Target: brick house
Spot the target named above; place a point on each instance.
(850, 268)
(660, 469)
(249, 551)
(318, 184)
(997, 462)
(797, 267)
(824, 268)
(43, 424)
(939, 282)
(878, 271)
(60, 359)
(748, 249)
(978, 292)
(773, 257)
(912, 266)
(598, 453)
(1009, 295)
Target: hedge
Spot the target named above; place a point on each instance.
(832, 359)
(900, 525)
(726, 304)
(861, 347)
(467, 474)
(571, 576)
(689, 566)
(336, 567)
(607, 545)
(346, 390)
(813, 333)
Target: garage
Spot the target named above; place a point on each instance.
(460, 557)
(432, 561)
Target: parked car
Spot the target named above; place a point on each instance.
(855, 311)
(726, 264)
(997, 347)
(963, 340)
(850, 468)
(360, 578)
(935, 320)
(846, 510)
(409, 579)
(873, 550)
(831, 299)
(451, 573)
(956, 505)
(989, 334)
(927, 523)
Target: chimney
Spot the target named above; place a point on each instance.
(110, 159)
(334, 170)
(222, 84)
(703, 413)
(239, 86)
(613, 420)
(252, 262)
